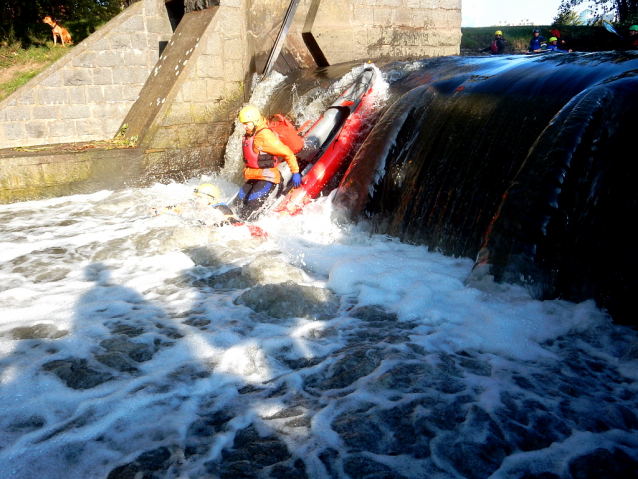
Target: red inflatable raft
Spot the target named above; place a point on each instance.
(328, 143)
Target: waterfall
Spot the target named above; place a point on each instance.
(518, 161)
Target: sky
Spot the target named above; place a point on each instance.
(483, 13)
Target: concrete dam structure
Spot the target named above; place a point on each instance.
(169, 77)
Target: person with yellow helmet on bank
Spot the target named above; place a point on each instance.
(262, 151)
(497, 47)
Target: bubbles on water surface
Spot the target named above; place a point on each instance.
(194, 351)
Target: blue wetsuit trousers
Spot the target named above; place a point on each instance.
(252, 196)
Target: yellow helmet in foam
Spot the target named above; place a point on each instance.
(207, 191)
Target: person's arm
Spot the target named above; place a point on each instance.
(176, 209)
(228, 215)
(270, 143)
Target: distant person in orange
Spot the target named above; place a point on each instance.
(632, 40)
(262, 151)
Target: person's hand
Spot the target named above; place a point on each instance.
(296, 180)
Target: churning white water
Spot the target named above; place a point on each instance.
(139, 346)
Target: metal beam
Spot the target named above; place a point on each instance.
(281, 37)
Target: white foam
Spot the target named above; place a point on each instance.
(90, 264)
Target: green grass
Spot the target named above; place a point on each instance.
(11, 55)
(22, 64)
(8, 88)
(579, 38)
(25, 55)
(39, 34)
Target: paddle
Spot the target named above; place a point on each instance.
(608, 26)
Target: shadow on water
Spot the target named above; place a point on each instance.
(209, 371)
(215, 370)
(473, 149)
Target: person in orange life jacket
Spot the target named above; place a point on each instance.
(497, 47)
(632, 39)
(261, 149)
(208, 210)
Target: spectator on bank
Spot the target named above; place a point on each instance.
(537, 42)
(553, 46)
(561, 42)
(632, 39)
(497, 47)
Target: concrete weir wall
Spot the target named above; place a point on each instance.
(189, 132)
(395, 29)
(181, 104)
(86, 94)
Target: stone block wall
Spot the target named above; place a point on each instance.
(213, 88)
(193, 131)
(86, 95)
(349, 30)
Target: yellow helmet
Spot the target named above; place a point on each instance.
(207, 191)
(498, 32)
(249, 113)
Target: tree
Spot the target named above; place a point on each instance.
(567, 16)
(19, 17)
(624, 10)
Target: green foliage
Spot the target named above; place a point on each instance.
(21, 20)
(583, 38)
(27, 63)
(567, 16)
(14, 55)
(622, 9)
(516, 38)
(8, 88)
(631, 19)
(26, 47)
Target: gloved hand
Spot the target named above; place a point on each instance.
(296, 180)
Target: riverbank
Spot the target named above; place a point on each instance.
(578, 38)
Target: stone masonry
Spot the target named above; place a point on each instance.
(397, 29)
(86, 95)
(348, 30)
(196, 125)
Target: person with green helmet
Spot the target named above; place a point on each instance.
(553, 46)
(207, 209)
(497, 47)
(632, 40)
